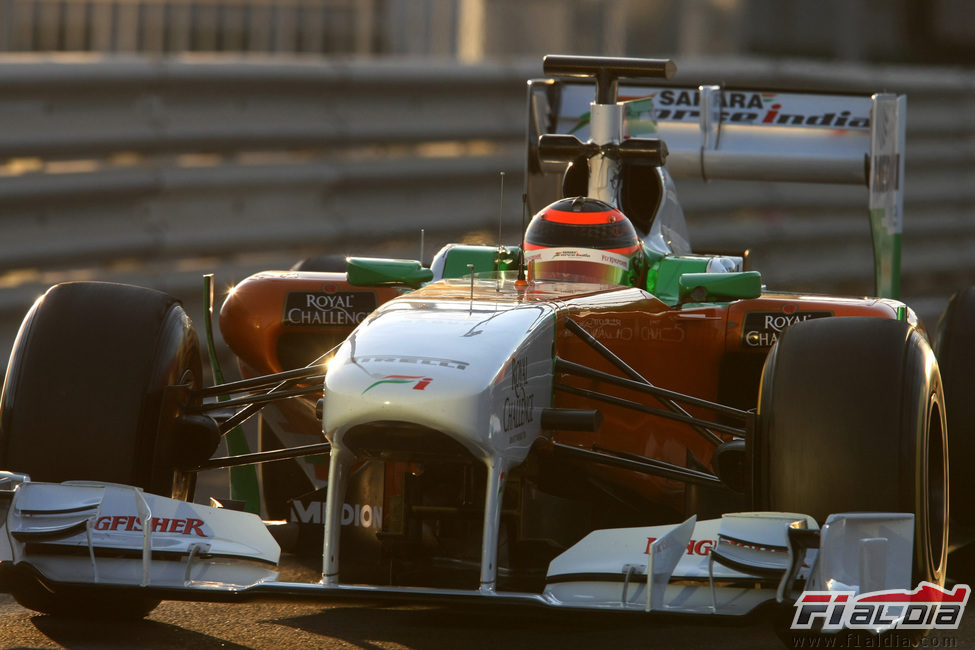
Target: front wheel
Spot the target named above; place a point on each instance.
(851, 418)
(87, 397)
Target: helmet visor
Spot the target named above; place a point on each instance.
(578, 265)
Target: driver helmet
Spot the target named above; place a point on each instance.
(583, 240)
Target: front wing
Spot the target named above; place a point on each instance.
(84, 535)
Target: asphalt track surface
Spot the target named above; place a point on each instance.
(330, 625)
(333, 624)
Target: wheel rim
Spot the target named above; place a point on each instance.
(184, 483)
(937, 489)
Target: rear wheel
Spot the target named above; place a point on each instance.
(955, 349)
(851, 418)
(86, 397)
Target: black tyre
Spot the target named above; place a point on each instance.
(85, 398)
(851, 418)
(955, 349)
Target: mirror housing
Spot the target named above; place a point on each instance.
(719, 287)
(382, 272)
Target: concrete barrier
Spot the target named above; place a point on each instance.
(108, 163)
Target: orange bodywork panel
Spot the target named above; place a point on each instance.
(713, 352)
(274, 321)
(277, 320)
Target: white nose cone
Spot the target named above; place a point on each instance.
(478, 372)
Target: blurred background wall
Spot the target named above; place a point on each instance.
(916, 31)
(148, 141)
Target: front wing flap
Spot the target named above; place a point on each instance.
(81, 534)
(100, 533)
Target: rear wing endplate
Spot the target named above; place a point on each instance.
(723, 133)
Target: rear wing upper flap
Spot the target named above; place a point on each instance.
(713, 132)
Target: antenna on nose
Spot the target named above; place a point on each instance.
(521, 259)
(500, 217)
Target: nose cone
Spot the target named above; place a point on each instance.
(477, 372)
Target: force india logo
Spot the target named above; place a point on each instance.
(419, 382)
(928, 607)
(676, 105)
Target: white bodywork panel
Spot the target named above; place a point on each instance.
(862, 553)
(100, 533)
(741, 134)
(479, 371)
(608, 568)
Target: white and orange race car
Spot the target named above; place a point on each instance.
(597, 417)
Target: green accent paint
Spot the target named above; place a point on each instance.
(666, 276)
(379, 272)
(886, 256)
(484, 258)
(902, 313)
(711, 287)
(243, 479)
(583, 121)
(653, 260)
(389, 381)
(640, 119)
(673, 279)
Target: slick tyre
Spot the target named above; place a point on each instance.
(955, 349)
(851, 418)
(85, 398)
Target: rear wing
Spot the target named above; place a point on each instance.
(723, 133)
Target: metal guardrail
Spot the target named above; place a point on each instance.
(158, 26)
(156, 160)
(140, 158)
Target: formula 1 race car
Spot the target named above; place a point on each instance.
(597, 417)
